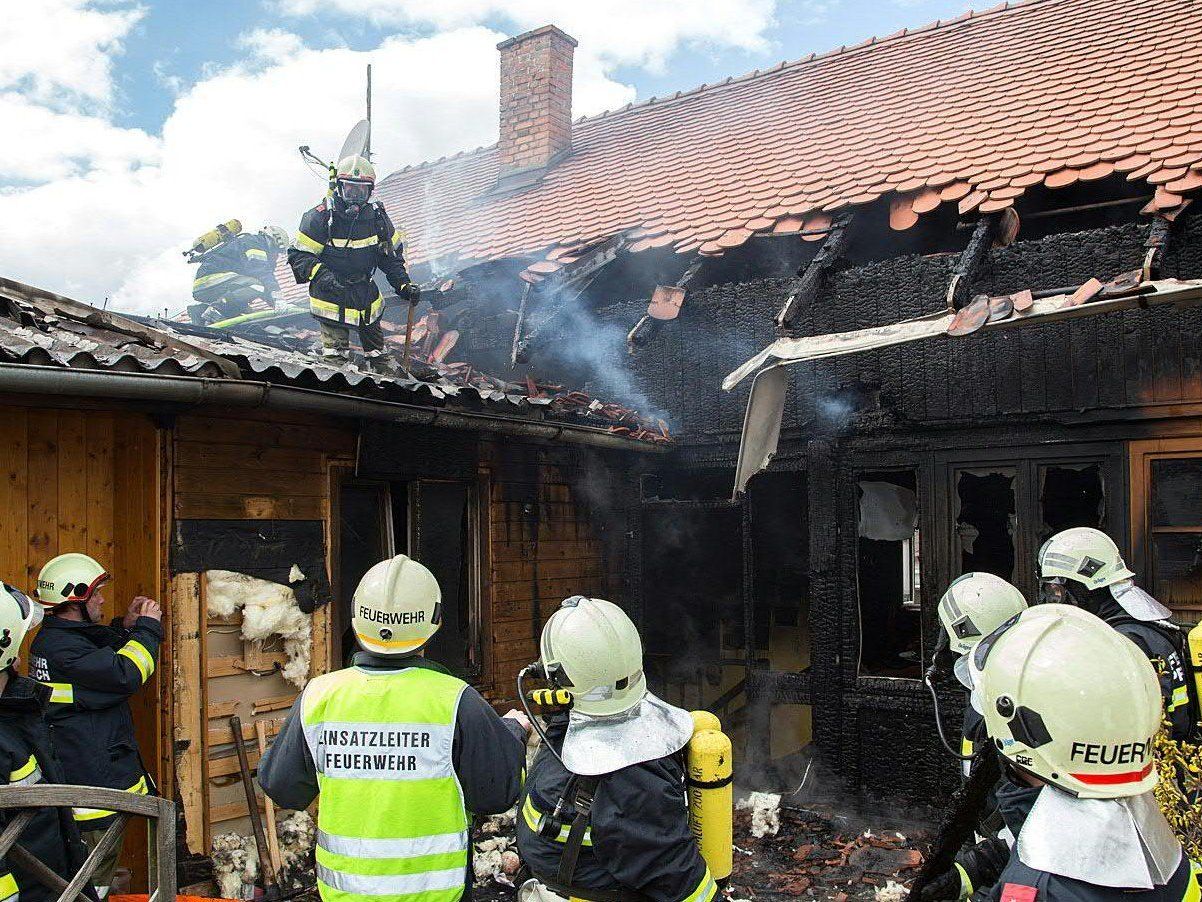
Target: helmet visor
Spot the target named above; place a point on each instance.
(354, 192)
(1054, 590)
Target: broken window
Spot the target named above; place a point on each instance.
(1070, 495)
(692, 592)
(985, 520)
(1176, 535)
(888, 583)
(365, 519)
(435, 522)
(442, 535)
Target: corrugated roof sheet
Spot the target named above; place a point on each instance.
(973, 111)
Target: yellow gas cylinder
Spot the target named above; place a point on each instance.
(215, 236)
(1194, 643)
(709, 779)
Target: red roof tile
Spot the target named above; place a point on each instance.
(974, 111)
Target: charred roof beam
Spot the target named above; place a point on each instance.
(971, 260)
(570, 283)
(810, 281)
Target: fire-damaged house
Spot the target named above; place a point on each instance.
(959, 266)
(249, 486)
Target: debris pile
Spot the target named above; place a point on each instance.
(235, 865)
(783, 851)
(495, 860)
(297, 835)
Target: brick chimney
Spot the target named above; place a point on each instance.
(536, 104)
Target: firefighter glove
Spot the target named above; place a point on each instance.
(410, 292)
(976, 868)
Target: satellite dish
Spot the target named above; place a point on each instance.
(356, 142)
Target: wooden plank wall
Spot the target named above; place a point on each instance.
(256, 466)
(88, 480)
(543, 546)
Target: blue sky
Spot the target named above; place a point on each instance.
(154, 119)
(174, 41)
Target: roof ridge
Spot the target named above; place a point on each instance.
(938, 26)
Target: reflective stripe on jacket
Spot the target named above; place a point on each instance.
(92, 669)
(352, 248)
(27, 759)
(381, 743)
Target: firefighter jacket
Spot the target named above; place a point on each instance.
(1020, 883)
(638, 844)
(26, 758)
(402, 754)
(1162, 643)
(92, 670)
(248, 254)
(337, 254)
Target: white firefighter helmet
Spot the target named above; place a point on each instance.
(356, 178)
(397, 607)
(18, 615)
(974, 605)
(592, 649)
(70, 577)
(1086, 555)
(278, 236)
(1071, 701)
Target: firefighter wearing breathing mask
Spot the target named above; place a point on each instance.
(1083, 567)
(400, 752)
(27, 758)
(341, 243)
(604, 815)
(1073, 708)
(92, 669)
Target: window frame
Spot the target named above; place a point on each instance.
(1141, 456)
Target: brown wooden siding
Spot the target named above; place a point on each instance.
(89, 481)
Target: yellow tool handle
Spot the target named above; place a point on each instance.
(551, 698)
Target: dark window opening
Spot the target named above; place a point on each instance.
(985, 521)
(364, 538)
(780, 539)
(692, 588)
(1176, 527)
(887, 570)
(1070, 495)
(442, 535)
(434, 521)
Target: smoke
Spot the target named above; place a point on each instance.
(584, 342)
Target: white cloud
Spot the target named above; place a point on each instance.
(60, 52)
(616, 32)
(103, 211)
(229, 148)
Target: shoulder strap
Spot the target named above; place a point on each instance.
(580, 792)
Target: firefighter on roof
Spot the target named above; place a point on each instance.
(1083, 567)
(341, 243)
(604, 816)
(235, 269)
(92, 669)
(1073, 709)
(27, 758)
(399, 752)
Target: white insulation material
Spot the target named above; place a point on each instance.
(268, 610)
(235, 865)
(765, 813)
(892, 891)
(297, 834)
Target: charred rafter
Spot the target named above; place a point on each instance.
(1160, 235)
(810, 281)
(569, 283)
(648, 327)
(969, 264)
